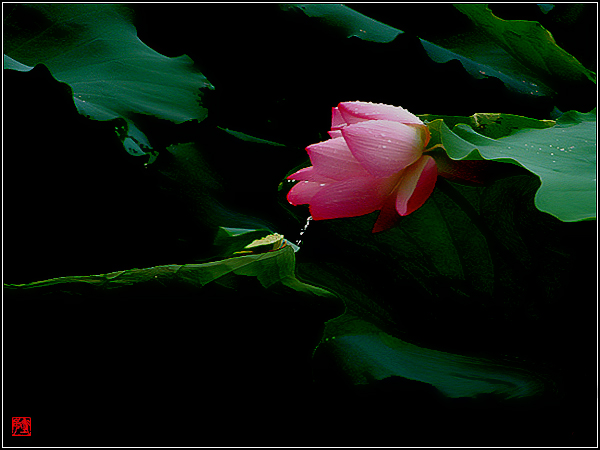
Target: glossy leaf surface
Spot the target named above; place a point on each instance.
(113, 74)
(563, 156)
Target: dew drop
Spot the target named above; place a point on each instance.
(322, 184)
(383, 146)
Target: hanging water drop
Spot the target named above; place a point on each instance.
(303, 230)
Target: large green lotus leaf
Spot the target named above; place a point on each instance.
(94, 48)
(482, 52)
(521, 53)
(562, 155)
(483, 58)
(493, 125)
(349, 22)
(367, 353)
(529, 43)
(11, 64)
(469, 273)
(274, 268)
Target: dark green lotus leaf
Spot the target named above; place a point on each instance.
(11, 64)
(462, 283)
(349, 22)
(274, 268)
(545, 7)
(483, 58)
(368, 353)
(561, 153)
(522, 54)
(529, 43)
(94, 48)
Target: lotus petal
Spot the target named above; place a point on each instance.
(303, 192)
(384, 147)
(333, 159)
(353, 112)
(388, 215)
(337, 121)
(309, 174)
(416, 185)
(350, 198)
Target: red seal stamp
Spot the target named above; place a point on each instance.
(21, 426)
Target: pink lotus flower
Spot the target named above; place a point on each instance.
(373, 161)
